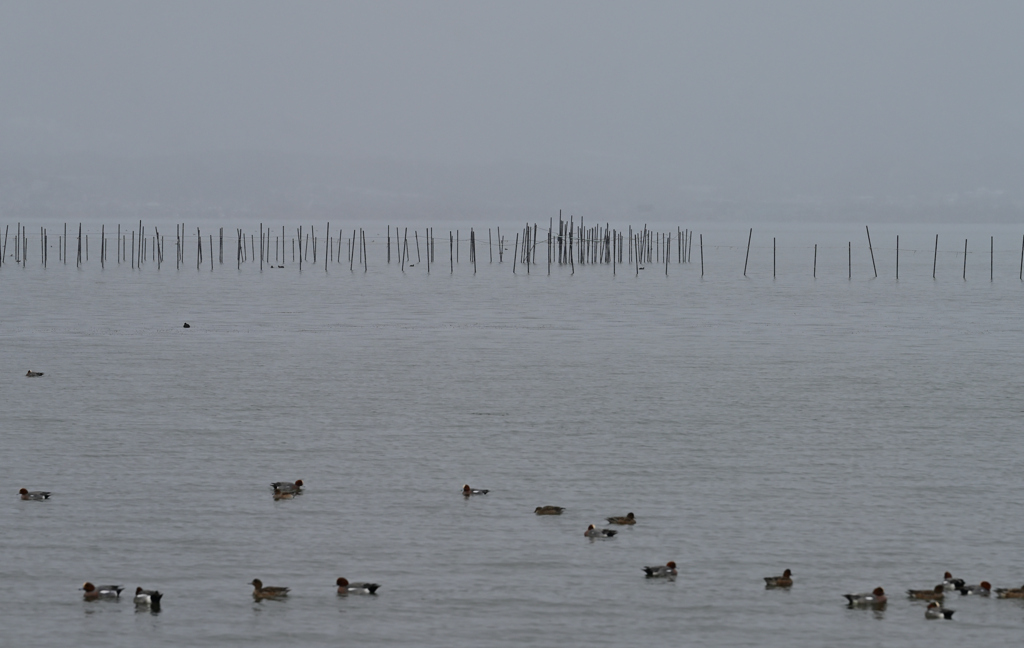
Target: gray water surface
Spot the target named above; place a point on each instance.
(861, 432)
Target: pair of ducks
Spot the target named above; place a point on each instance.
(142, 596)
(593, 532)
(261, 591)
(287, 490)
(627, 519)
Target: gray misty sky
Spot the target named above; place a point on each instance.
(667, 102)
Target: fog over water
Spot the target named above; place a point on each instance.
(808, 402)
(808, 110)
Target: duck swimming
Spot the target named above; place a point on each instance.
(95, 592)
(147, 597)
(936, 611)
(1015, 592)
(786, 580)
(594, 532)
(467, 491)
(936, 594)
(548, 510)
(876, 597)
(36, 496)
(260, 592)
(294, 488)
(983, 589)
(627, 519)
(33, 374)
(949, 583)
(345, 587)
(662, 571)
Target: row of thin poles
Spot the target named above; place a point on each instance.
(569, 243)
(574, 243)
(874, 267)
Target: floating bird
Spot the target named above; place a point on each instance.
(877, 597)
(936, 594)
(345, 587)
(467, 491)
(278, 495)
(1015, 592)
(594, 532)
(936, 611)
(548, 510)
(293, 488)
(147, 597)
(949, 583)
(662, 571)
(983, 589)
(33, 374)
(786, 580)
(37, 496)
(95, 592)
(186, 325)
(627, 519)
(261, 592)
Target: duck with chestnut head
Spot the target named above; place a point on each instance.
(874, 598)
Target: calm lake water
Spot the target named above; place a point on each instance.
(863, 432)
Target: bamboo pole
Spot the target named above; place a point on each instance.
(870, 249)
(749, 238)
(935, 259)
(965, 259)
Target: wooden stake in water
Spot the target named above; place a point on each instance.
(749, 237)
(515, 254)
(870, 249)
(849, 259)
(1021, 257)
(701, 255)
(773, 257)
(965, 259)
(814, 272)
(668, 250)
(897, 257)
(991, 256)
(935, 259)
